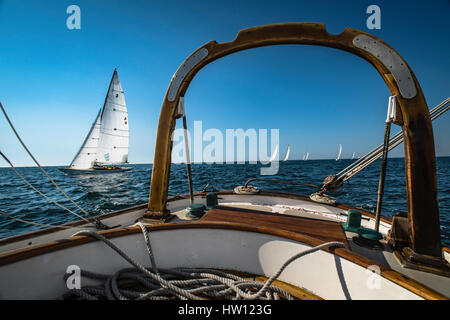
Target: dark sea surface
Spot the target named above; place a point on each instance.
(102, 193)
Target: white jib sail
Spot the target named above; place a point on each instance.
(114, 130)
(340, 152)
(274, 154)
(87, 154)
(307, 156)
(287, 153)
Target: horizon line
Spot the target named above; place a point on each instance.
(246, 162)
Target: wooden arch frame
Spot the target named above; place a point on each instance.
(413, 116)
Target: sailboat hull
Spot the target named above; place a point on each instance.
(94, 171)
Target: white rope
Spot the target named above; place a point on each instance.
(178, 283)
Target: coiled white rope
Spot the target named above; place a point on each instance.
(178, 283)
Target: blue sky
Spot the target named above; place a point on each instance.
(53, 80)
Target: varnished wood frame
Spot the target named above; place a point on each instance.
(394, 276)
(413, 115)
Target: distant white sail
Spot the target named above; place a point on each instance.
(287, 153)
(274, 154)
(353, 156)
(307, 156)
(87, 154)
(340, 152)
(114, 131)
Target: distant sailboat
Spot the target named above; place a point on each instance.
(307, 156)
(340, 152)
(287, 153)
(353, 156)
(106, 144)
(274, 155)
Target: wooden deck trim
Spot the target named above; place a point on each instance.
(297, 292)
(394, 276)
(323, 230)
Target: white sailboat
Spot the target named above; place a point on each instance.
(306, 156)
(353, 156)
(340, 152)
(274, 155)
(287, 153)
(106, 144)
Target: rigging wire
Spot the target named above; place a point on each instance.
(97, 222)
(37, 163)
(387, 132)
(377, 152)
(186, 145)
(394, 142)
(39, 224)
(39, 192)
(434, 113)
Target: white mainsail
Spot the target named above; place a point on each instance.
(340, 152)
(287, 153)
(353, 156)
(107, 140)
(274, 154)
(87, 154)
(114, 131)
(307, 156)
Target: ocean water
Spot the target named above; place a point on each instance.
(100, 194)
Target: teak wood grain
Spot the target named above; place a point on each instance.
(323, 230)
